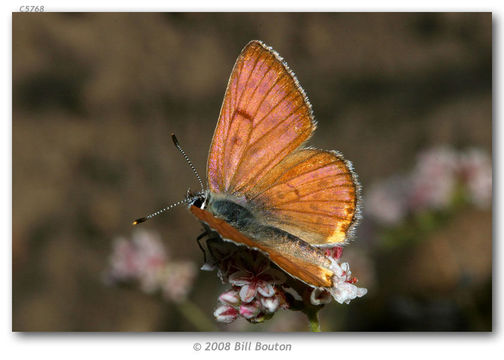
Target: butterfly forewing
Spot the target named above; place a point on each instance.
(264, 117)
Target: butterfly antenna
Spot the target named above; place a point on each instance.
(144, 219)
(177, 145)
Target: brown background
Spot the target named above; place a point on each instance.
(96, 96)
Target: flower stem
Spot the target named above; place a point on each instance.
(313, 318)
(196, 317)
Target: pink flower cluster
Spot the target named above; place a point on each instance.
(255, 293)
(433, 180)
(144, 259)
(432, 185)
(258, 289)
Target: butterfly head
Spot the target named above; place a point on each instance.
(199, 199)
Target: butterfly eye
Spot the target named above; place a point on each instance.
(198, 200)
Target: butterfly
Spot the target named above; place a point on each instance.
(266, 190)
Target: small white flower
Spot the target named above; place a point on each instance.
(250, 310)
(253, 283)
(270, 304)
(344, 292)
(343, 289)
(320, 297)
(226, 314)
(230, 297)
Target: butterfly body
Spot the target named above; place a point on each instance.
(265, 189)
(236, 223)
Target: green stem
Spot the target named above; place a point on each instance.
(196, 317)
(313, 318)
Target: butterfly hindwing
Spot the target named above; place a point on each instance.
(311, 194)
(309, 266)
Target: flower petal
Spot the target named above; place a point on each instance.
(293, 293)
(320, 296)
(270, 304)
(248, 292)
(240, 278)
(207, 267)
(230, 297)
(225, 314)
(248, 311)
(265, 289)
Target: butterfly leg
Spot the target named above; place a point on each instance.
(198, 240)
(212, 235)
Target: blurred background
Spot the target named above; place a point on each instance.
(406, 97)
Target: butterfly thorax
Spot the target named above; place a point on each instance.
(232, 210)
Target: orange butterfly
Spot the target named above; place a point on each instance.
(266, 190)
